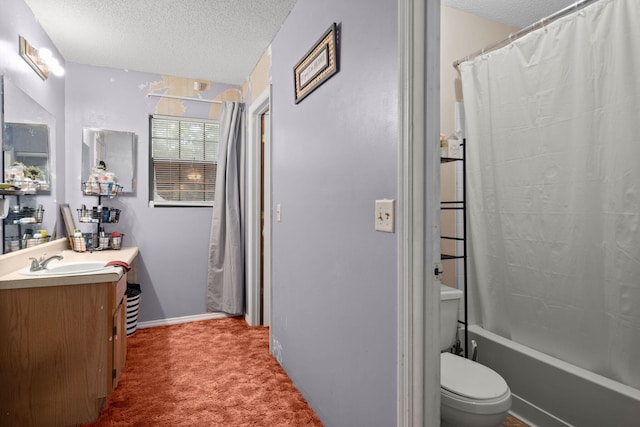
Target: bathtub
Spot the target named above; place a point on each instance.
(549, 392)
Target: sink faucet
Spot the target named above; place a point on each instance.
(41, 264)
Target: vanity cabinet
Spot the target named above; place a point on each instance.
(118, 332)
(62, 349)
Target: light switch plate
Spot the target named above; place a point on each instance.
(384, 215)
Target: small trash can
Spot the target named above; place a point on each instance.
(133, 306)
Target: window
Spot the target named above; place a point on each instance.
(184, 159)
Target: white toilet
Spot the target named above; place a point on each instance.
(471, 395)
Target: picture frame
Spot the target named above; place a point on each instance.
(318, 65)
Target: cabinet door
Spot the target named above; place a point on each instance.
(119, 341)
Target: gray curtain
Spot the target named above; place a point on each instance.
(225, 284)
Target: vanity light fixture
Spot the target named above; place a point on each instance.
(41, 60)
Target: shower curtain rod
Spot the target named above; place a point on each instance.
(514, 36)
(185, 98)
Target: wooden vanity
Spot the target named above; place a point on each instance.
(62, 342)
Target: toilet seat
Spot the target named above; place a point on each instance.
(471, 387)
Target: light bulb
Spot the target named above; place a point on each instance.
(57, 71)
(45, 55)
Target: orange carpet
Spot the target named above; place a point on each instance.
(206, 373)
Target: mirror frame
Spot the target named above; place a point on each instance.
(67, 217)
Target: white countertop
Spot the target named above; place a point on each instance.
(12, 279)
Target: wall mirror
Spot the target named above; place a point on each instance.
(27, 131)
(116, 149)
(28, 136)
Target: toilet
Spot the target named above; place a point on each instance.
(471, 395)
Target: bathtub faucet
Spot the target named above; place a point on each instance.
(41, 264)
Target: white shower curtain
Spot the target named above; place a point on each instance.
(553, 131)
(225, 287)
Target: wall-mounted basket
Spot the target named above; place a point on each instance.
(15, 243)
(94, 188)
(25, 215)
(95, 215)
(90, 242)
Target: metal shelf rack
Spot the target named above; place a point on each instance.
(459, 205)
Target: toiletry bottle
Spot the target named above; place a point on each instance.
(78, 242)
(116, 240)
(39, 214)
(444, 146)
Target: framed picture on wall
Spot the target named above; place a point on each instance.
(318, 65)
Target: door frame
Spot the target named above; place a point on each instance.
(254, 273)
(418, 352)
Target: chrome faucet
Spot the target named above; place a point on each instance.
(41, 264)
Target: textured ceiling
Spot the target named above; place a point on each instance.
(218, 40)
(517, 13)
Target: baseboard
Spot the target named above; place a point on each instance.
(183, 319)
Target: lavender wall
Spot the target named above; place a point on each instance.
(334, 277)
(17, 19)
(173, 242)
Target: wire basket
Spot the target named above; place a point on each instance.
(27, 185)
(105, 214)
(25, 215)
(95, 188)
(96, 242)
(82, 243)
(15, 243)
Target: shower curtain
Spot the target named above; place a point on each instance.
(553, 143)
(225, 284)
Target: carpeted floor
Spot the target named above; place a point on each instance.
(207, 373)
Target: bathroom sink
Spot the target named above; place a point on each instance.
(68, 268)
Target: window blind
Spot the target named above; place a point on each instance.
(184, 157)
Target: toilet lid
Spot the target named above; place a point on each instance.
(470, 379)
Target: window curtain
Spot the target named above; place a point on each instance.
(553, 143)
(225, 287)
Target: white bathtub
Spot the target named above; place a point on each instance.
(548, 392)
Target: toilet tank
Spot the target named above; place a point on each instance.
(449, 303)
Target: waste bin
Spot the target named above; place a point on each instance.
(133, 306)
